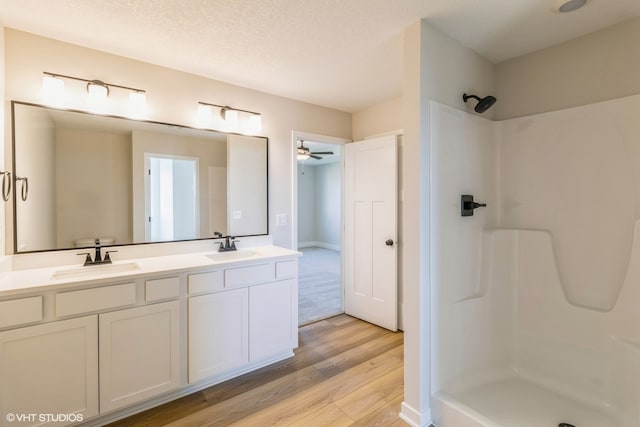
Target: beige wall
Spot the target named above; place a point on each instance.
(36, 150)
(172, 97)
(93, 186)
(436, 68)
(596, 67)
(380, 118)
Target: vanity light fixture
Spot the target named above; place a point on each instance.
(231, 119)
(97, 90)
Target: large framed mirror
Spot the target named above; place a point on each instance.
(81, 177)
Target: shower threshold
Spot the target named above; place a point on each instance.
(517, 402)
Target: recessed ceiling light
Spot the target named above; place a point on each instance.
(570, 6)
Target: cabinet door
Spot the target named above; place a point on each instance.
(218, 333)
(273, 319)
(50, 369)
(139, 354)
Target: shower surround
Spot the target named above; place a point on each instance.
(536, 298)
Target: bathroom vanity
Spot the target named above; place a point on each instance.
(104, 342)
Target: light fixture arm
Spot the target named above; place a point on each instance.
(226, 107)
(96, 82)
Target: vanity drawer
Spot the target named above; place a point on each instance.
(88, 300)
(20, 311)
(286, 269)
(249, 275)
(203, 282)
(159, 289)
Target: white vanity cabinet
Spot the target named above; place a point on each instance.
(50, 369)
(249, 317)
(139, 354)
(110, 347)
(218, 333)
(273, 319)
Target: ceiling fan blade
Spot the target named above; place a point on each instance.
(315, 157)
(322, 152)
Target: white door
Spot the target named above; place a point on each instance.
(371, 231)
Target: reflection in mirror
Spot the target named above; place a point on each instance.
(124, 181)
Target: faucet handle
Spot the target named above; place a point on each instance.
(107, 258)
(233, 243)
(87, 259)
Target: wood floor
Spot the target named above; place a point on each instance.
(345, 373)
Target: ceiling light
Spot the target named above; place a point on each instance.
(303, 154)
(569, 6)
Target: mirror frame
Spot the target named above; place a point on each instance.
(13, 179)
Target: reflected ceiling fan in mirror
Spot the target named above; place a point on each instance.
(304, 153)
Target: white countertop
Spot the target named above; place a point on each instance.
(40, 279)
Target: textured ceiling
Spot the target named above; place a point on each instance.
(344, 54)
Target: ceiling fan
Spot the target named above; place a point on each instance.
(304, 153)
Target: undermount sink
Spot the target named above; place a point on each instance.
(95, 270)
(222, 256)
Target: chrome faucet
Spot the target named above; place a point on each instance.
(97, 258)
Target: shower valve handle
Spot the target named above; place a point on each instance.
(467, 205)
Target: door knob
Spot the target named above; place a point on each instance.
(389, 242)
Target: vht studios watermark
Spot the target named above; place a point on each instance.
(44, 418)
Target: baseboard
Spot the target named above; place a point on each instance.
(413, 417)
(319, 245)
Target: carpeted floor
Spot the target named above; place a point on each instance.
(319, 284)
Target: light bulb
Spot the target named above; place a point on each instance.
(255, 124)
(52, 90)
(137, 104)
(230, 118)
(205, 115)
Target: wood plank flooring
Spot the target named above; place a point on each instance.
(345, 373)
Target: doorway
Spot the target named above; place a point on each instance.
(319, 213)
(171, 202)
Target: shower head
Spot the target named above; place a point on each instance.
(483, 103)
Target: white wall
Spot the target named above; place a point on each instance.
(172, 97)
(319, 210)
(328, 196)
(306, 205)
(596, 67)
(440, 69)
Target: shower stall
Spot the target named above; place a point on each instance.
(536, 297)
